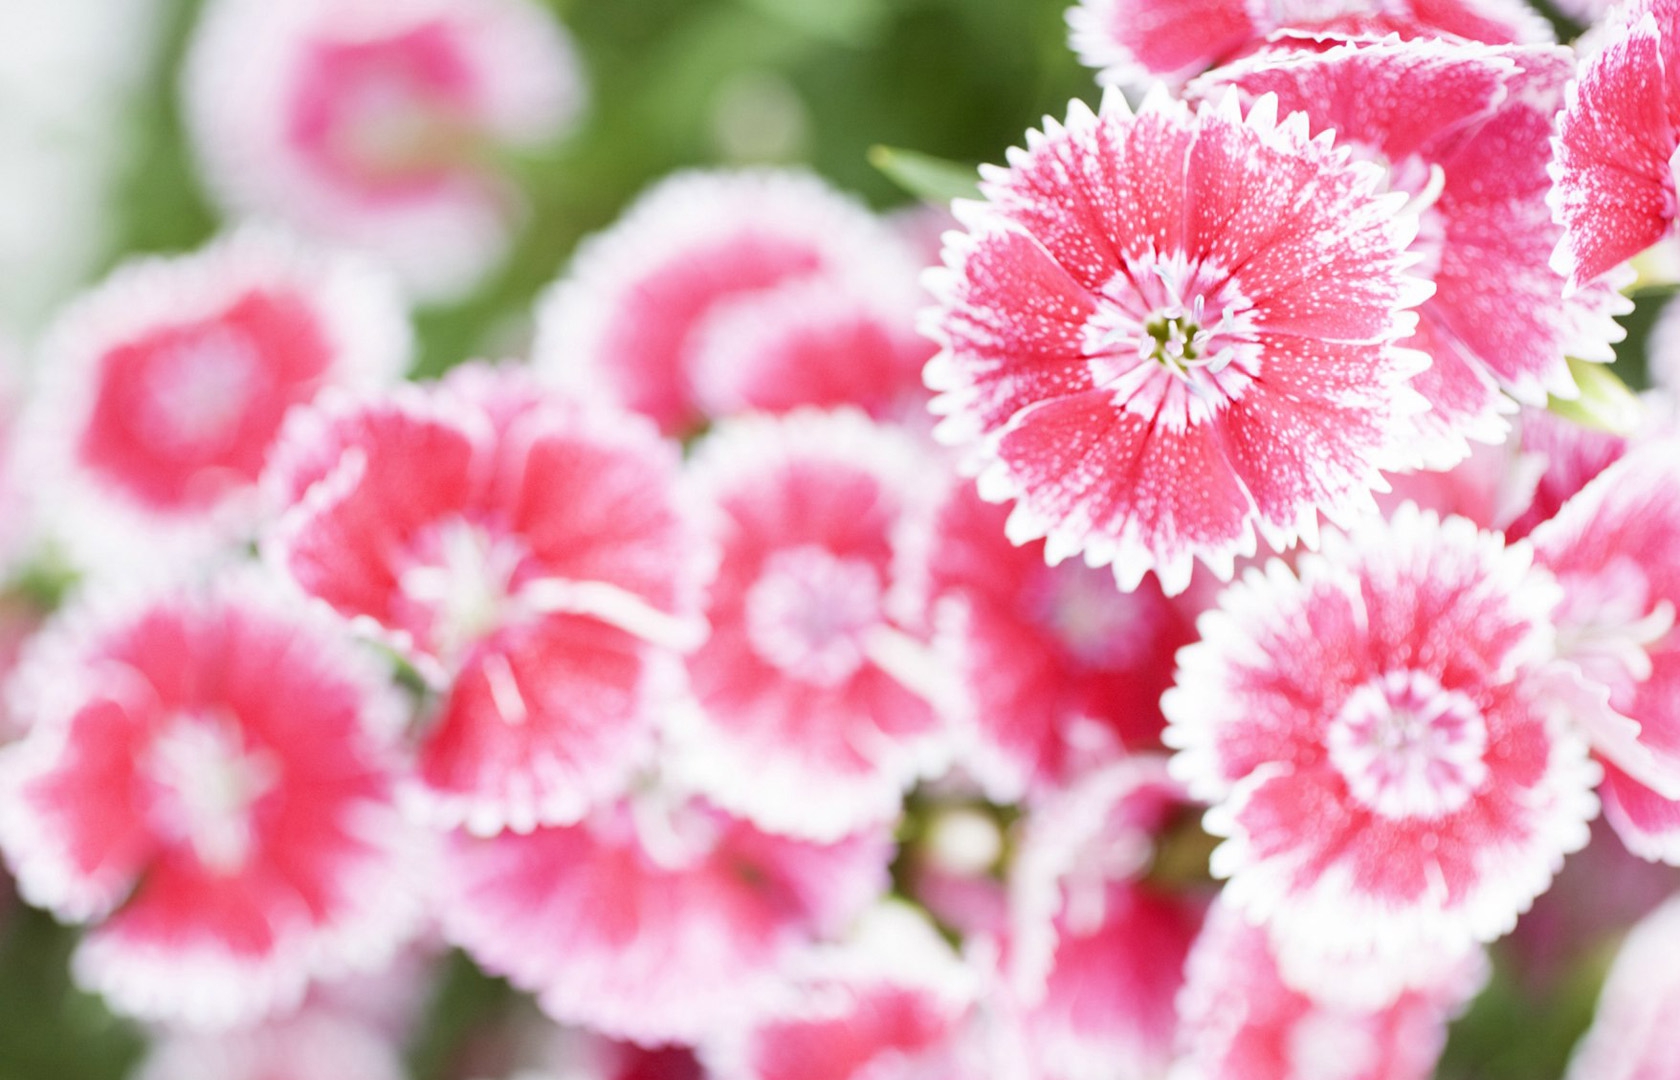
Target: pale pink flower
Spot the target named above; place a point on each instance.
(1633, 1034)
(1059, 670)
(372, 123)
(1614, 153)
(656, 919)
(207, 780)
(1388, 743)
(309, 1045)
(717, 292)
(165, 386)
(1464, 129)
(1615, 548)
(1097, 952)
(1176, 293)
(1133, 42)
(526, 552)
(808, 682)
(1240, 1020)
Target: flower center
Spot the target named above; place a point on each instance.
(1101, 628)
(462, 581)
(809, 612)
(198, 390)
(1172, 339)
(1408, 747)
(207, 783)
(1609, 622)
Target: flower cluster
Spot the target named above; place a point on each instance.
(1173, 637)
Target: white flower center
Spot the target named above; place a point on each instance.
(1609, 622)
(463, 576)
(1408, 747)
(207, 781)
(809, 612)
(1100, 626)
(199, 390)
(1172, 339)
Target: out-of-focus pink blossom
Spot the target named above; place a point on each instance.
(309, 1045)
(527, 552)
(207, 779)
(1633, 1034)
(372, 123)
(1176, 293)
(1387, 740)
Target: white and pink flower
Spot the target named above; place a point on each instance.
(1633, 1034)
(1388, 743)
(1175, 293)
(527, 553)
(308, 1045)
(717, 293)
(656, 919)
(809, 682)
(207, 780)
(372, 123)
(1614, 154)
(1464, 129)
(164, 388)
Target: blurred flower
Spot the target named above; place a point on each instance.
(1633, 1034)
(309, 1045)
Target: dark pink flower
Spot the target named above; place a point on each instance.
(371, 123)
(719, 292)
(1465, 130)
(166, 386)
(1148, 297)
(526, 552)
(1133, 42)
(1240, 1020)
(1387, 740)
(1614, 152)
(809, 683)
(207, 780)
(658, 919)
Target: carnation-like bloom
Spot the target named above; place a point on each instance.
(808, 683)
(726, 291)
(1614, 154)
(1059, 671)
(1613, 547)
(656, 919)
(1238, 1019)
(526, 552)
(165, 386)
(1165, 330)
(371, 123)
(1387, 741)
(1633, 1034)
(308, 1045)
(1132, 42)
(1465, 130)
(207, 780)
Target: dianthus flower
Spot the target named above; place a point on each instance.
(1238, 1019)
(720, 292)
(1465, 130)
(370, 123)
(1614, 154)
(1388, 743)
(525, 552)
(658, 918)
(1633, 1034)
(1132, 42)
(808, 682)
(1145, 299)
(166, 385)
(308, 1045)
(207, 780)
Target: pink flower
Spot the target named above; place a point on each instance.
(166, 385)
(1614, 152)
(658, 919)
(1132, 42)
(720, 292)
(1613, 549)
(1633, 1034)
(1387, 743)
(1240, 1020)
(1145, 298)
(1465, 130)
(370, 122)
(809, 683)
(1060, 670)
(526, 552)
(207, 780)
(306, 1046)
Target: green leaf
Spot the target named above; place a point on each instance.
(1605, 402)
(928, 178)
